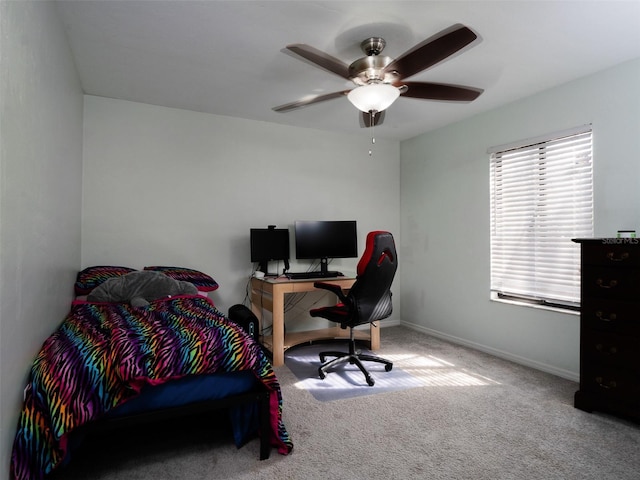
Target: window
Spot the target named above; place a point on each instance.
(541, 198)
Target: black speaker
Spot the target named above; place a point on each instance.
(244, 317)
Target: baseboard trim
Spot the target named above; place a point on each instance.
(390, 322)
(527, 362)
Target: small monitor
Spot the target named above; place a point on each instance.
(269, 244)
(326, 239)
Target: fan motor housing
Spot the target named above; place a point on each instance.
(371, 69)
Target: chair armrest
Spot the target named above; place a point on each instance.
(332, 287)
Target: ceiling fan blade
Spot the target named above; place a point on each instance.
(303, 102)
(431, 51)
(321, 59)
(366, 119)
(441, 91)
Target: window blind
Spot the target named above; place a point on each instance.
(541, 198)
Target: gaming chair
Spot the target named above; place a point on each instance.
(367, 301)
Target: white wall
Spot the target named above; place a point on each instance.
(40, 193)
(445, 215)
(168, 186)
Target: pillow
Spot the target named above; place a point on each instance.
(140, 288)
(91, 277)
(202, 281)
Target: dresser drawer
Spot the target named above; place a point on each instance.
(602, 349)
(610, 283)
(622, 252)
(612, 383)
(611, 316)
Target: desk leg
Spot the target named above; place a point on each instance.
(375, 335)
(278, 328)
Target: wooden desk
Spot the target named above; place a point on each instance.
(269, 293)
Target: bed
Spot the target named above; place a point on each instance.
(111, 363)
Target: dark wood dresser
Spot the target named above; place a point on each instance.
(610, 326)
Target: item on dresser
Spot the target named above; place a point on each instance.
(610, 326)
(105, 356)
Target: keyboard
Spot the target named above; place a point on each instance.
(310, 275)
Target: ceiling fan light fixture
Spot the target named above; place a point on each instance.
(375, 96)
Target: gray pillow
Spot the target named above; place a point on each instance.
(139, 288)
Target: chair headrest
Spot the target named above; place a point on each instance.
(379, 245)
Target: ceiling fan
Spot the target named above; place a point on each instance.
(379, 79)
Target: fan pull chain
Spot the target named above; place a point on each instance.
(372, 125)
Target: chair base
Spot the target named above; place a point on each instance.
(354, 358)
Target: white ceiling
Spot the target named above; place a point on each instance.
(227, 58)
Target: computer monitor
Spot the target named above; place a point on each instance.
(326, 239)
(269, 244)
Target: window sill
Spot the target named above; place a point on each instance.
(495, 298)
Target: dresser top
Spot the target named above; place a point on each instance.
(608, 241)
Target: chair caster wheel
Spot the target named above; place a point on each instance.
(371, 381)
(321, 374)
(322, 358)
(388, 367)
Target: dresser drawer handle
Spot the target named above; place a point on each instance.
(601, 283)
(608, 386)
(611, 318)
(612, 256)
(610, 350)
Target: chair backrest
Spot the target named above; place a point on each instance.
(371, 292)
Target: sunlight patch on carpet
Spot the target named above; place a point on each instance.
(437, 372)
(347, 381)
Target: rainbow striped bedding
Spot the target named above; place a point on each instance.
(102, 355)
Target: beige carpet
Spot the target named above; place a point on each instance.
(475, 417)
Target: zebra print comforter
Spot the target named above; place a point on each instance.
(102, 355)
